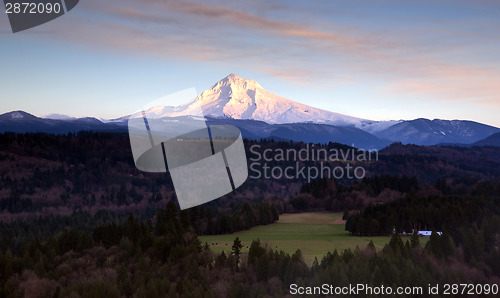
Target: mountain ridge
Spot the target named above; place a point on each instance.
(423, 131)
(240, 101)
(23, 122)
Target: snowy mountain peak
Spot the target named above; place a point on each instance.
(239, 98)
(236, 80)
(56, 116)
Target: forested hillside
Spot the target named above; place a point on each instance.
(78, 219)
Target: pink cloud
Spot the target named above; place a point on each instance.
(301, 51)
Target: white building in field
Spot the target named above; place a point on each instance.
(427, 233)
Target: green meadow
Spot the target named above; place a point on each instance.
(314, 233)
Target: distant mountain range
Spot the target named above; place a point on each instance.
(261, 114)
(21, 122)
(432, 132)
(305, 132)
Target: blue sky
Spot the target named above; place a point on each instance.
(378, 60)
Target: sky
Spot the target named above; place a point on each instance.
(378, 60)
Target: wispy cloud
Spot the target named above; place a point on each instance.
(298, 47)
(191, 30)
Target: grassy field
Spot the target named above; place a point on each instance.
(313, 233)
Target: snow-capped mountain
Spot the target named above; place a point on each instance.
(239, 98)
(261, 114)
